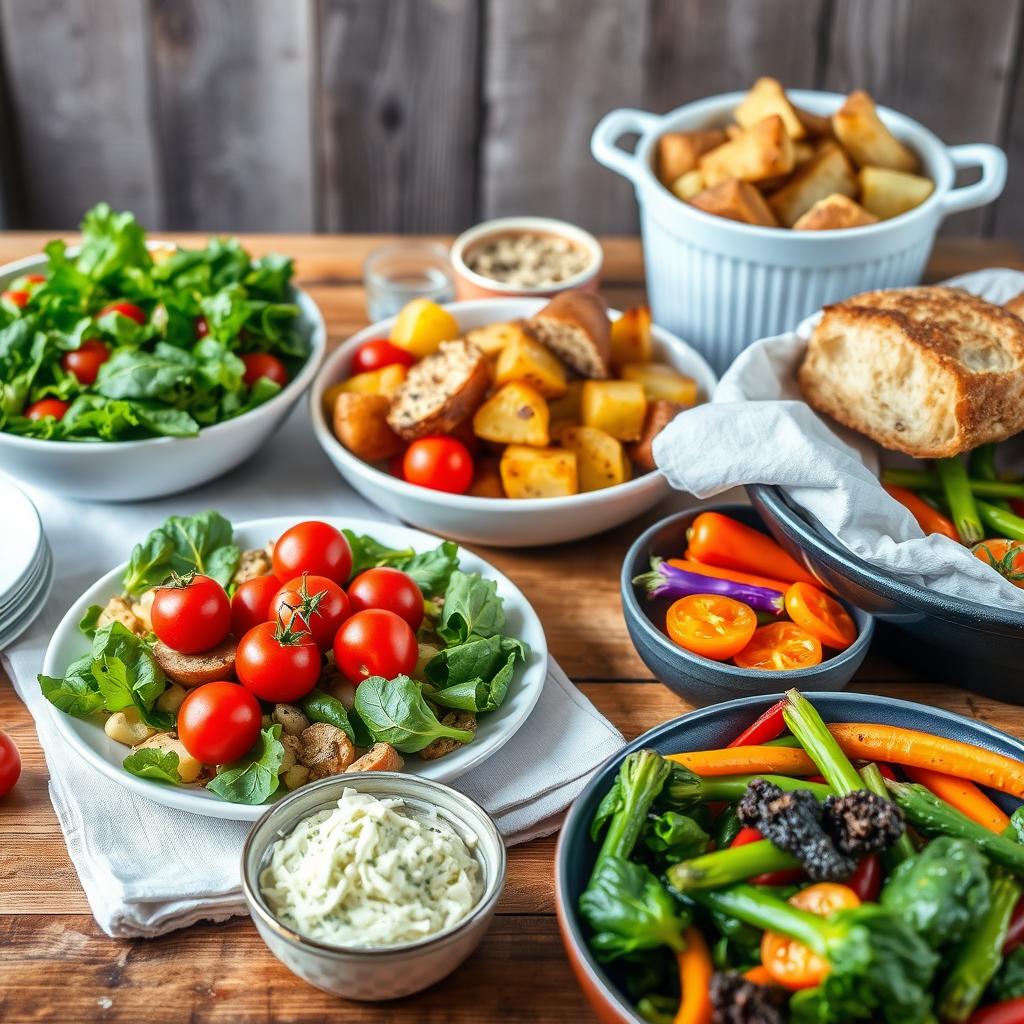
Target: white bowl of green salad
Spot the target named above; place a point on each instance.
(131, 369)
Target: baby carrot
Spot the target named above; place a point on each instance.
(964, 796)
(695, 970)
(746, 761)
(718, 540)
(694, 565)
(929, 519)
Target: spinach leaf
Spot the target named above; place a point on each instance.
(127, 674)
(161, 765)
(76, 693)
(89, 622)
(368, 553)
(118, 419)
(395, 712)
(475, 676)
(200, 543)
(471, 607)
(432, 570)
(674, 837)
(1017, 821)
(110, 242)
(253, 779)
(136, 373)
(322, 707)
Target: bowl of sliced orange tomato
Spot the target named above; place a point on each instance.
(717, 609)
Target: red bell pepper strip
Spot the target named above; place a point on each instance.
(769, 726)
(1010, 1012)
(866, 881)
(752, 835)
(1015, 932)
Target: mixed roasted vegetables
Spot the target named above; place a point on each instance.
(736, 595)
(120, 341)
(325, 652)
(812, 873)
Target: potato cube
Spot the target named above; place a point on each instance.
(659, 380)
(515, 414)
(566, 409)
(494, 337)
(887, 193)
(631, 337)
(863, 135)
(687, 185)
(538, 472)
(736, 200)
(361, 425)
(530, 361)
(678, 152)
(763, 151)
(600, 458)
(827, 173)
(834, 213)
(422, 325)
(487, 480)
(385, 381)
(815, 125)
(615, 406)
(765, 98)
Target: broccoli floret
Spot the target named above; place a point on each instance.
(861, 823)
(738, 1001)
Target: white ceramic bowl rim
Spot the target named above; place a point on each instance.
(471, 502)
(492, 883)
(317, 340)
(516, 225)
(939, 160)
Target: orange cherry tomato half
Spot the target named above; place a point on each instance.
(790, 963)
(822, 616)
(712, 626)
(780, 645)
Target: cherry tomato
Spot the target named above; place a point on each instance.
(313, 547)
(47, 407)
(33, 279)
(10, 763)
(785, 877)
(1011, 1011)
(276, 663)
(778, 646)
(250, 604)
(17, 298)
(375, 642)
(202, 327)
(1005, 556)
(263, 364)
(219, 722)
(191, 614)
(866, 881)
(128, 309)
(85, 361)
(311, 604)
(822, 616)
(440, 463)
(391, 589)
(712, 626)
(378, 353)
(789, 962)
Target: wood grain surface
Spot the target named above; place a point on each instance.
(57, 966)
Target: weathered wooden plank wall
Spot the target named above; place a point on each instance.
(425, 115)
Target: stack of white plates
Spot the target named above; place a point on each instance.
(26, 564)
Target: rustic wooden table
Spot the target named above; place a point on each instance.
(55, 964)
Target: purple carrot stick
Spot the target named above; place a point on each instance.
(666, 580)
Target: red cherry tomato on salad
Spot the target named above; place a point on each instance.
(375, 642)
(191, 614)
(263, 364)
(277, 664)
(313, 547)
(440, 463)
(10, 763)
(311, 604)
(219, 722)
(85, 361)
(34, 279)
(202, 327)
(17, 298)
(128, 309)
(390, 589)
(378, 353)
(250, 604)
(47, 407)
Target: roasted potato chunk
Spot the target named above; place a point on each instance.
(567, 408)
(516, 414)
(687, 185)
(659, 380)
(833, 213)
(678, 152)
(615, 406)
(600, 459)
(885, 193)
(631, 337)
(736, 200)
(361, 425)
(527, 360)
(385, 381)
(767, 97)
(487, 480)
(827, 173)
(493, 338)
(863, 135)
(422, 325)
(763, 151)
(538, 472)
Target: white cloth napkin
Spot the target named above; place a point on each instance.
(758, 430)
(148, 869)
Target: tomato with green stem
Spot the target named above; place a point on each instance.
(191, 613)
(277, 663)
(85, 361)
(218, 722)
(47, 407)
(1005, 556)
(313, 604)
(314, 547)
(250, 603)
(713, 626)
(263, 364)
(375, 642)
(392, 589)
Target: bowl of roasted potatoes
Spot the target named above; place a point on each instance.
(759, 207)
(507, 422)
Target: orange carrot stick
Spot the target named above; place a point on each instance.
(964, 796)
(693, 565)
(759, 975)
(747, 761)
(695, 970)
(929, 519)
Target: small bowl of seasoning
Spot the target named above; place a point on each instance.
(525, 256)
(373, 885)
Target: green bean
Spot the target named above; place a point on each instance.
(957, 489)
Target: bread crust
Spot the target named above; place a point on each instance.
(587, 344)
(946, 369)
(1016, 305)
(195, 669)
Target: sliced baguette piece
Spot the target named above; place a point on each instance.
(574, 325)
(833, 213)
(440, 391)
(932, 372)
(195, 669)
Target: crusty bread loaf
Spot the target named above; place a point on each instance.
(932, 372)
(1016, 305)
(574, 325)
(440, 391)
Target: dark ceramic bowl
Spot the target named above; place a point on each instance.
(704, 730)
(964, 642)
(701, 680)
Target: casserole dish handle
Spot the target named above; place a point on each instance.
(992, 162)
(604, 141)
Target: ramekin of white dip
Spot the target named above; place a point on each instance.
(334, 953)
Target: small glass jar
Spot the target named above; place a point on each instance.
(398, 272)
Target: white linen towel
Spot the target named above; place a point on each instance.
(147, 869)
(758, 430)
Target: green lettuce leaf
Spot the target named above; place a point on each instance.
(253, 779)
(471, 607)
(148, 763)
